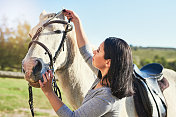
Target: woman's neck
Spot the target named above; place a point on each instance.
(99, 85)
(104, 72)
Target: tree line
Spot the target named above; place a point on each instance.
(150, 56)
(161, 60)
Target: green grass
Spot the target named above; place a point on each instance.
(169, 54)
(141, 53)
(14, 96)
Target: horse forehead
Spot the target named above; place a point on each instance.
(44, 17)
(35, 28)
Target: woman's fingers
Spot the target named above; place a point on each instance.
(46, 85)
(44, 78)
(69, 14)
(41, 84)
(47, 76)
(51, 74)
(67, 11)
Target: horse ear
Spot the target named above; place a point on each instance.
(42, 14)
(60, 16)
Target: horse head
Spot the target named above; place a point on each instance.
(46, 38)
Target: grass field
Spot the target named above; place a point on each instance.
(149, 53)
(14, 100)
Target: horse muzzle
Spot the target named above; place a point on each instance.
(33, 69)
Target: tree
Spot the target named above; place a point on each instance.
(172, 65)
(161, 60)
(145, 62)
(13, 46)
(2, 48)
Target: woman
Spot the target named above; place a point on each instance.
(112, 62)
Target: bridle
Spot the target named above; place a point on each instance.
(37, 34)
(52, 59)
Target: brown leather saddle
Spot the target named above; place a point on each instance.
(148, 98)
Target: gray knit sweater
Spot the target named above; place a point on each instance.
(97, 102)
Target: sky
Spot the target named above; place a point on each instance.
(147, 23)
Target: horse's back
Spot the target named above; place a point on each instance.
(170, 92)
(128, 108)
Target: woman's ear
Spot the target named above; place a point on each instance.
(108, 63)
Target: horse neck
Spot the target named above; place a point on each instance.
(76, 66)
(76, 77)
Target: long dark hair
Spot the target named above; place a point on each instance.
(120, 72)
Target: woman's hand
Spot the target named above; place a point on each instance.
(80, 34)
(71, 15)
(46, 85)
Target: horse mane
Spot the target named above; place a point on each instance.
(72, 49)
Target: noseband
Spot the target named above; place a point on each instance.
(52, 59)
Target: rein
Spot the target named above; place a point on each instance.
(52, 59)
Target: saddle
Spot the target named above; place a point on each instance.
(148, 98)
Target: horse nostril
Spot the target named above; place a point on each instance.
(37, 69)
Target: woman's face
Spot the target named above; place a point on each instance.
(98, 60)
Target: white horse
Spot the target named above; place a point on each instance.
(75, 77)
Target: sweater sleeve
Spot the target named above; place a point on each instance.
(87, 56)
(95, 107)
